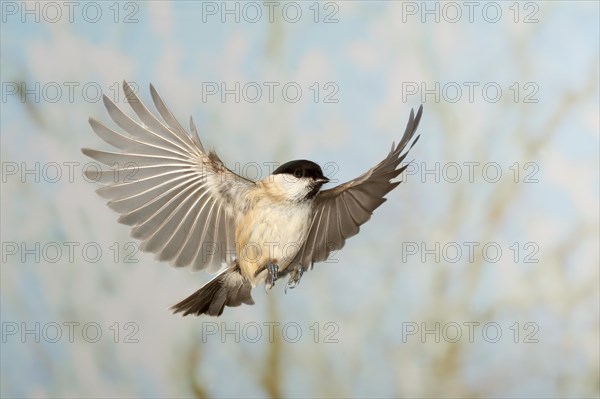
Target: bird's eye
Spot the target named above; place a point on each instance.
(298, 173)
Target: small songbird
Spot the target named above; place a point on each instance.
(186, 206)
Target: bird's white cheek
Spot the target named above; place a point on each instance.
(292, 187)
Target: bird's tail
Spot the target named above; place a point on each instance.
(228, 288)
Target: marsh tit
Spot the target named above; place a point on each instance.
(186, 206)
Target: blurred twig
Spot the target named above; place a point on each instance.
(191, 365)
(271, 374)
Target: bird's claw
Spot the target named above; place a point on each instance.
(295, 277)
(273, 271)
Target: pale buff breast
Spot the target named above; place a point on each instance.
(272, 230)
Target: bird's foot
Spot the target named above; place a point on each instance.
(272, 272)
(295, 277)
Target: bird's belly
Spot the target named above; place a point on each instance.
(272, 234)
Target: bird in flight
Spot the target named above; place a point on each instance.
(188, 208)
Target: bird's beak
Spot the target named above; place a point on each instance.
(323, 180)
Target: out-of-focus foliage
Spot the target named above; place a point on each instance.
(376, 292)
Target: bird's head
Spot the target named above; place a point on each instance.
(298, 180)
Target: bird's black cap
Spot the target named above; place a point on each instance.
(301, 168)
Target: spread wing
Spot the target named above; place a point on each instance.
(178, 199)
(340, 211)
